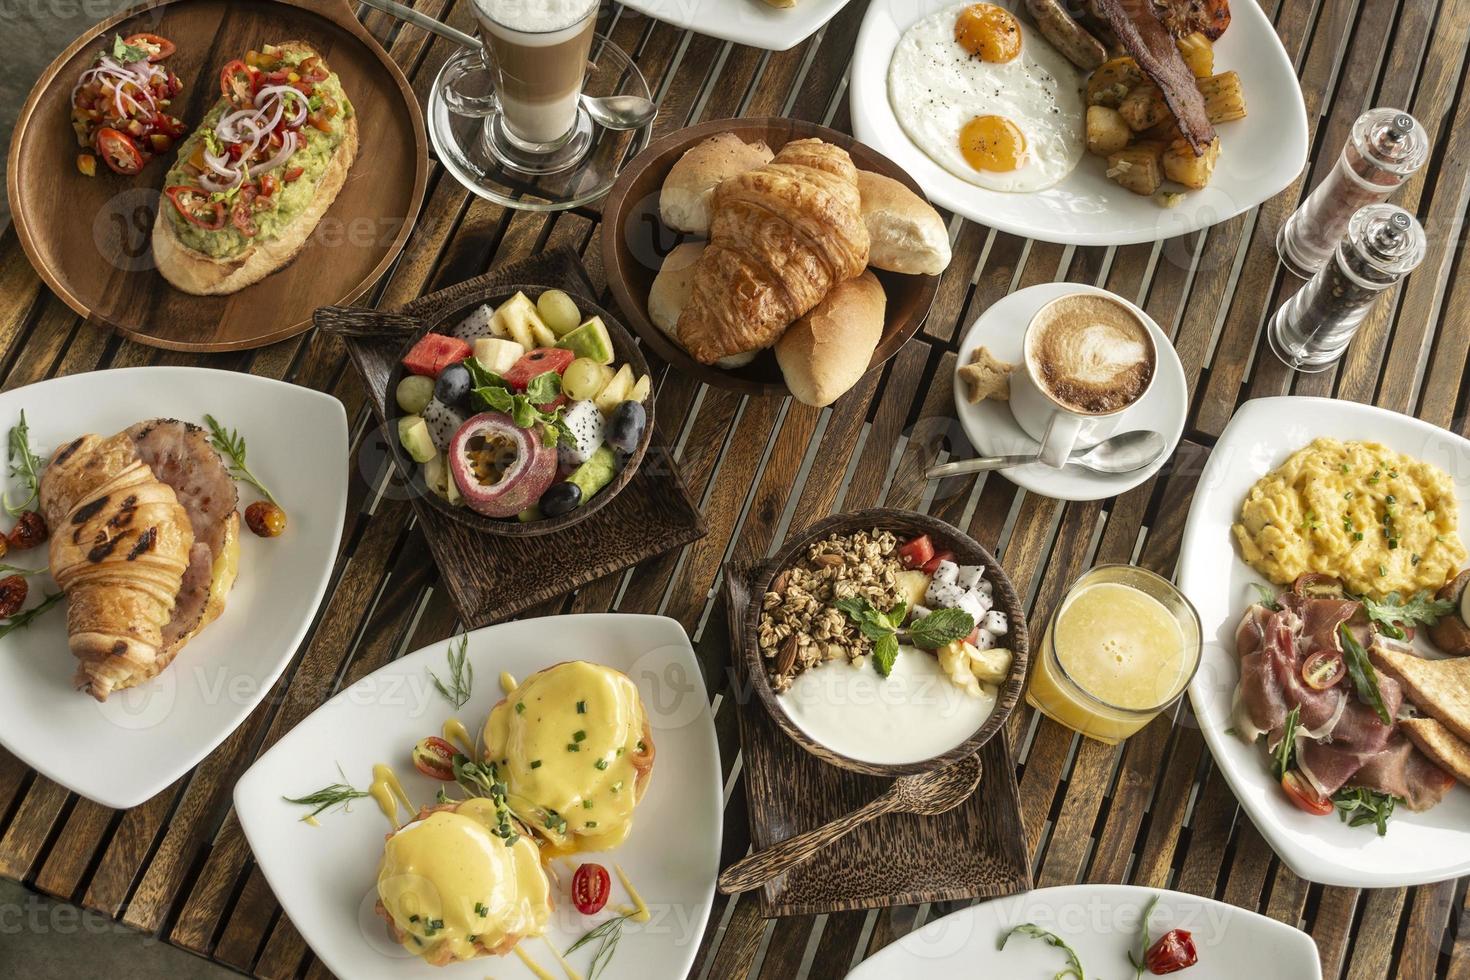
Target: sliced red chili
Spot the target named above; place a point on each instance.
(118, 151)
(236, 83)
(158, 48)
(590, 888)
(197, 208)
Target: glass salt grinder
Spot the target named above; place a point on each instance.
(1312, 329)
(1385, 148)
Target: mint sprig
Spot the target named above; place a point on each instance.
(496, 395)
(940, 628)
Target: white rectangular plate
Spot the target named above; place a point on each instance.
(326, 877)
(1259, 155)
(752, 22)
(1101, 923)
(1419, 847)
(122, 752)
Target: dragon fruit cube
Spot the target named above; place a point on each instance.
(969, 575)
(476, 325)
(994, 622)
(946, 572)
(984, 585)
(977, 604)
(984, 641)
(942, 595)
(918, 612)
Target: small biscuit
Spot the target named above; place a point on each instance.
(987, 376)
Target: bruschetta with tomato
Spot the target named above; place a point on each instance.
(251, 183)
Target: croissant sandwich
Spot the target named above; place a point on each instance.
(781, 236)
(145, 544)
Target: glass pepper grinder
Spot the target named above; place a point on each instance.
(1312, 329)
(1385, 148)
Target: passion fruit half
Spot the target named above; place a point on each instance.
(500, 468)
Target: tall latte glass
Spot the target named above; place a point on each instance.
(539, 51)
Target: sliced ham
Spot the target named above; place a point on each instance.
(1360, 735)
(1271, 679)
(1402, 770)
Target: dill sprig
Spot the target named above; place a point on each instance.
(461, 675)
(23, 619)
(232, 446)
(606, 937)
(337, 794)
(24, 464)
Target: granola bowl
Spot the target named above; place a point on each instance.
(843, 646)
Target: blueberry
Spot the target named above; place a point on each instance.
(560, 498)
(453, 386)
(625, 428)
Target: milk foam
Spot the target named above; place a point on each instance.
(1098, 353)
(535, 23)
(1091, 354)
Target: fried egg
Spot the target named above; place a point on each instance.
(987, 98)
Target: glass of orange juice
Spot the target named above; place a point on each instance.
(1120, 647)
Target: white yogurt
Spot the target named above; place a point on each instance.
(913, 714)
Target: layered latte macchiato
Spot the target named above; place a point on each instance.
(540, 50)
(1090, 354)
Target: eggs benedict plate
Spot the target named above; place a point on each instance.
(476, 872)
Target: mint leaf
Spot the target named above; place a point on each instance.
(885, 652)
(855, 606)
(483, 377)
(941, 627)
(895, 615)
(523, 413)
(496, 399)
(543, 388)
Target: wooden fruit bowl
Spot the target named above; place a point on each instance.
(635, 241)
(904, 524)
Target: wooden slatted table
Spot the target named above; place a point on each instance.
(1154, 811)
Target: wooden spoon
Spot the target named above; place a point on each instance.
(926, 794)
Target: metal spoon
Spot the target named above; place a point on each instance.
(926, 794)
(609, 111)
(1122, 453)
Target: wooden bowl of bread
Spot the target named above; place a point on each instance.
(771, 256)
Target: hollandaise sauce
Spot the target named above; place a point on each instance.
(571, 744)
(639, 912)
(507, 682)
(452, 885)
(388, 792)
(537, 970)
(457, 735)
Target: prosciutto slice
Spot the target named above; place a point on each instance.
(1271, 677)
(1402, 770)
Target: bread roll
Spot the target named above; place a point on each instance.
(905, 234)
(826, 352)
(670, 291)
(683, 203)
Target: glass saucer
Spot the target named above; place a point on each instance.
(461, 145)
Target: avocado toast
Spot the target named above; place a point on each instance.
(252, 181)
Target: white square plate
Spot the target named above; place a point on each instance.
(1419, 847)
(326, 877)
(123, 751)
(752, 22)
(1101, 923)
(1259, 155)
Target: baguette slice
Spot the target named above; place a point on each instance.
(1439, 688)
(203, 275)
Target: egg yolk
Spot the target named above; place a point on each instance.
(992, 143)
(989, 32)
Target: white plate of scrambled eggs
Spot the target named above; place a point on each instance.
(999, 136)
(1280, 461)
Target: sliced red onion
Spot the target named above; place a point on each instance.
(288, 147)
(220, 164)
(212, 183)
(229, 124)
(278, 93)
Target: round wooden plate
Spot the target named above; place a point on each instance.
(89, 237)
(635, 241)
(904, 524)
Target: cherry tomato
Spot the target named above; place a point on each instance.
(311, 70)
(916, 552)
(196, 206)
(434, 757)
(237, 83)
(266, 519)
(118, 151)
(292, 173)
(13, 589)
(1301, 792)
(590, 888)
(1323, 669)
(939, 556)
(158, 48)
(243, 220)
(1173, 952)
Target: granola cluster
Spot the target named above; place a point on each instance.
(799, 626)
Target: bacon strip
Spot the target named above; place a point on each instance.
(1143, 35)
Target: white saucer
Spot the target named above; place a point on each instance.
(993, 431)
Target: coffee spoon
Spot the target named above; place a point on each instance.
(609, 111)
(925, 794)
(1122, 453)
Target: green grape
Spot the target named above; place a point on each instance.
(558, 311)
(414, 392)
(584, 378)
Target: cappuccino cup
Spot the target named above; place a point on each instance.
(1088, 357)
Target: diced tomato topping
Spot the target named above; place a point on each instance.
(292, 173)
(1173, 952)
(1304, 795)
(87, 164)
(939, 556)
(916, 552)
(268, 185)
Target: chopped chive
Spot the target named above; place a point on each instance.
(520, 707)
(573, 747)
(535, 763)
(586, 804)
(590, 824)
(600, 763)
(581, 707)
(579, 736)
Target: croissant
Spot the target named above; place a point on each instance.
(144, 542)
(781, 236)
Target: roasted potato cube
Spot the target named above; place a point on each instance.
(1182, 166)
(1137, 167)
(1224, 100)
(1106, 130)
(1165, 132)
(1113, 80)
(1143, 107)
(1198, 54)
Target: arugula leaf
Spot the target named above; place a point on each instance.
(125, 52)
(23, 464)
(1267, 596)
(1392, 612)
(1359, 806)
(1281, 758)
(885, 652)
(1140, 963)
(941, 627)
(1074, 964)
(1361, 672)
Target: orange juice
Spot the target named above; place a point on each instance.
(1121, 646)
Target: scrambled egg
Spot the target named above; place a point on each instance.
(1377, 520)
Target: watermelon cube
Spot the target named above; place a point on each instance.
(433, 353)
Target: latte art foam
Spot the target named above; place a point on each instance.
(1091, 354)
